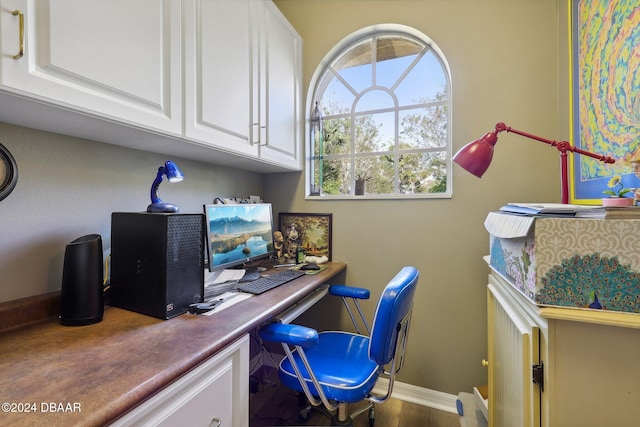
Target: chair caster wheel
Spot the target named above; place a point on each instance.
(303, 416)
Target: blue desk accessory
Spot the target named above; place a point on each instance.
(173, 174)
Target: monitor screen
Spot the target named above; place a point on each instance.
(238, 234)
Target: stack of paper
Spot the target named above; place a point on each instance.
(611, 212)
(218, 282)
(545, 208)
(578, 211)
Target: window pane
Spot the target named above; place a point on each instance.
(422, 173)
(423, 83)
(378, 173)
(359, 78)
(375, 100)
(335, 97)
(337, 136)
(356, 55)
(375, 132)
(336, 176)
(389, 72)
(394, 55)
(423, 127)
(355, 66)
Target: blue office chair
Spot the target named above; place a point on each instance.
(336, 368)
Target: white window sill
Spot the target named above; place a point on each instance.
(381, 197)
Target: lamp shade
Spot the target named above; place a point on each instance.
(475, 157)
(172, 172)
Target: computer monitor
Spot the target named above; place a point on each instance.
(237, 234)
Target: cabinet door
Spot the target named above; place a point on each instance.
(280, 119)
(115, 59)
(214, 393)
(514, 400)
(220, 57)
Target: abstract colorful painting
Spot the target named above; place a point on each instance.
(605, 57)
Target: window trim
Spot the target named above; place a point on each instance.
(340, 48)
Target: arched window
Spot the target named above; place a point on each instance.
(380, 117)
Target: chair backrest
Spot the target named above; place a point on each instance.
(394, 305)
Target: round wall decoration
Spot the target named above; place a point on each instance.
(8, 172)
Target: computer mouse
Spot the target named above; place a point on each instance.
(310, 266)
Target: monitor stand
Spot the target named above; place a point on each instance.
(251, 274)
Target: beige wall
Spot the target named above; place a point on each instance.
(504, 59)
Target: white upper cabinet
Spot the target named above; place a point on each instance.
(243, 79)
(219, 72)
(280, 91)
(212, 80)
(117, 59)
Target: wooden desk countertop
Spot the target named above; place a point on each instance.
(90, 375)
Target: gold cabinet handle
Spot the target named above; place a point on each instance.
(20, 16)
(485, 362)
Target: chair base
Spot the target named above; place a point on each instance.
(338, 417)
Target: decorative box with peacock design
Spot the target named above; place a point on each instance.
(567, 261)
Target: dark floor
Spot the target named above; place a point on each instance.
(274, 405)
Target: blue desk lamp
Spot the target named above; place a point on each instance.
(173, 175)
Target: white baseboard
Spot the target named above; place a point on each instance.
(419, 395)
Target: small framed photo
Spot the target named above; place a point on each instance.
(309, 231)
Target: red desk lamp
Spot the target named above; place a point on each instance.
(475, 157)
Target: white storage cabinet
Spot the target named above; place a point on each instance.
(216, 393)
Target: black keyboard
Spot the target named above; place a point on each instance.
(266, 283)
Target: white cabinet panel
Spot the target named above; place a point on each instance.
(513, 350)
(281, 52)
(219, 72)
(116, 59)
(243, 79)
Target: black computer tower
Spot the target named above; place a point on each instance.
(157, 262)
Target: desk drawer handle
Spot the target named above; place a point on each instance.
(215, 422)
(20, 16)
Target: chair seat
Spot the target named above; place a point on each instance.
(341, 363)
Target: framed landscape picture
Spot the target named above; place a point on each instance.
(312, 231)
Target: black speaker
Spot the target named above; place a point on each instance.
(82, 292)
(157, 262)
